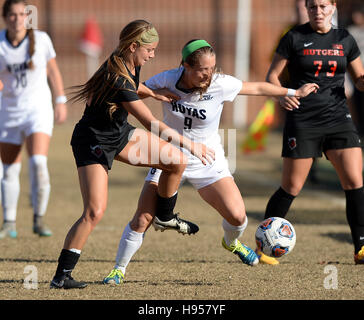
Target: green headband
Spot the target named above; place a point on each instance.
(192, 47)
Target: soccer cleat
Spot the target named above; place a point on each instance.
(359, 257)
(67, 283)
(263, 258)
(247, 255)
(115, 277)
(42, 230)
(176, 223)
(8, 230)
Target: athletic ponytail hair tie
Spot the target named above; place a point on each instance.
(192, 47)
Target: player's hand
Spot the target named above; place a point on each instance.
(60, 113)
(166, 95)
(292, 103)
(202, 152)
(306, 89)
(289, 103)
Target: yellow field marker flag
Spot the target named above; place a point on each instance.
(258, 130)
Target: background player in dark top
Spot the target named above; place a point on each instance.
(321, 122)
(103, 134)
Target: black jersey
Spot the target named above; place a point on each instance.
(96, 126)
(322, 59)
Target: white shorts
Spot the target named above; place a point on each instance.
(14, 128)
(200, 176)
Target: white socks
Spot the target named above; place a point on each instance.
(232, 233)
(129, 244)
(10, 189)
(39, 182)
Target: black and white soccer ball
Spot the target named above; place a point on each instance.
(275, 237)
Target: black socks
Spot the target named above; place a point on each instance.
(279, 204)
(355, 215)
(66, 263)
(165, 207)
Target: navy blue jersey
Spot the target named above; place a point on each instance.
(322, 59)
(96, 124)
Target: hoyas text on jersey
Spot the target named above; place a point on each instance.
(192, 112)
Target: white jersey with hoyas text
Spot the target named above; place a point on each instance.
(194, 116)
(25, 89)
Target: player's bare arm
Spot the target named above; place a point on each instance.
(158, 94)
(55, 79)
(268, 89)
(140, 111)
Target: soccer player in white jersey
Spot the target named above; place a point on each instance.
(196, 115)
(27, 59)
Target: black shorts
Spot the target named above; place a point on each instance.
(311, 142)
(97, 153)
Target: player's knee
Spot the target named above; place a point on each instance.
(293, 189)
(93, 215)
(11, 171)
(239, 219)
(176, 168)
(38, 167)
(352, 184)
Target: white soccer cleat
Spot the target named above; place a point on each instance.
(176, 223)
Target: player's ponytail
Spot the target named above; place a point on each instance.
(31, 48)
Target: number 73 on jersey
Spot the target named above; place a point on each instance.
(332, 64)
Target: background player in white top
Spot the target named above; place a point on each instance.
(27, 59)
(197, 114)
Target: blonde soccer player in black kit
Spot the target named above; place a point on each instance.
(104, 134)
(318, 52)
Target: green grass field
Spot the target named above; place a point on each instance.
(172, 266)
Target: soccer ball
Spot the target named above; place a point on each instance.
(275, 237)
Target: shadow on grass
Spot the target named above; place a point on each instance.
(316, 217)
(339, 236)
(21, 281)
